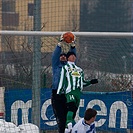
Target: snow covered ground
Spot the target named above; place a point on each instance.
(9, 127)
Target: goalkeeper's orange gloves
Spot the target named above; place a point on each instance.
(61, 40)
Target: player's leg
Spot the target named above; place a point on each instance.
(60, 111)
(72, 109)
(73, 99)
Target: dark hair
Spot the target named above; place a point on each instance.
(89, 113)
(63, 54)
(70, 53)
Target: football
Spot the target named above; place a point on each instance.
(68, 37)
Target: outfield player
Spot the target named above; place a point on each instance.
(86, 124)
(59, 101)
(71, 83)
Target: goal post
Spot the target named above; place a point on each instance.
(107, 56)
(56, 33)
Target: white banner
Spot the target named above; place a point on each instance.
(2, 104)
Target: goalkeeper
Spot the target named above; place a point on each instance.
(71, 83)
(59, 101)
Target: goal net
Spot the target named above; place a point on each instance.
(30, 31)
(107, 57)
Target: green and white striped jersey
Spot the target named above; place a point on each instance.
(71, 78)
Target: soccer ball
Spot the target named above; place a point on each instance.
(68, 37)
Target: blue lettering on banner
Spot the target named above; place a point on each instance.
(114, 110)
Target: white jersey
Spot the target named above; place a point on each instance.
(82, 127)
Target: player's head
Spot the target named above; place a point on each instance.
(63, 57)
(90, 115)
(71, 56)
